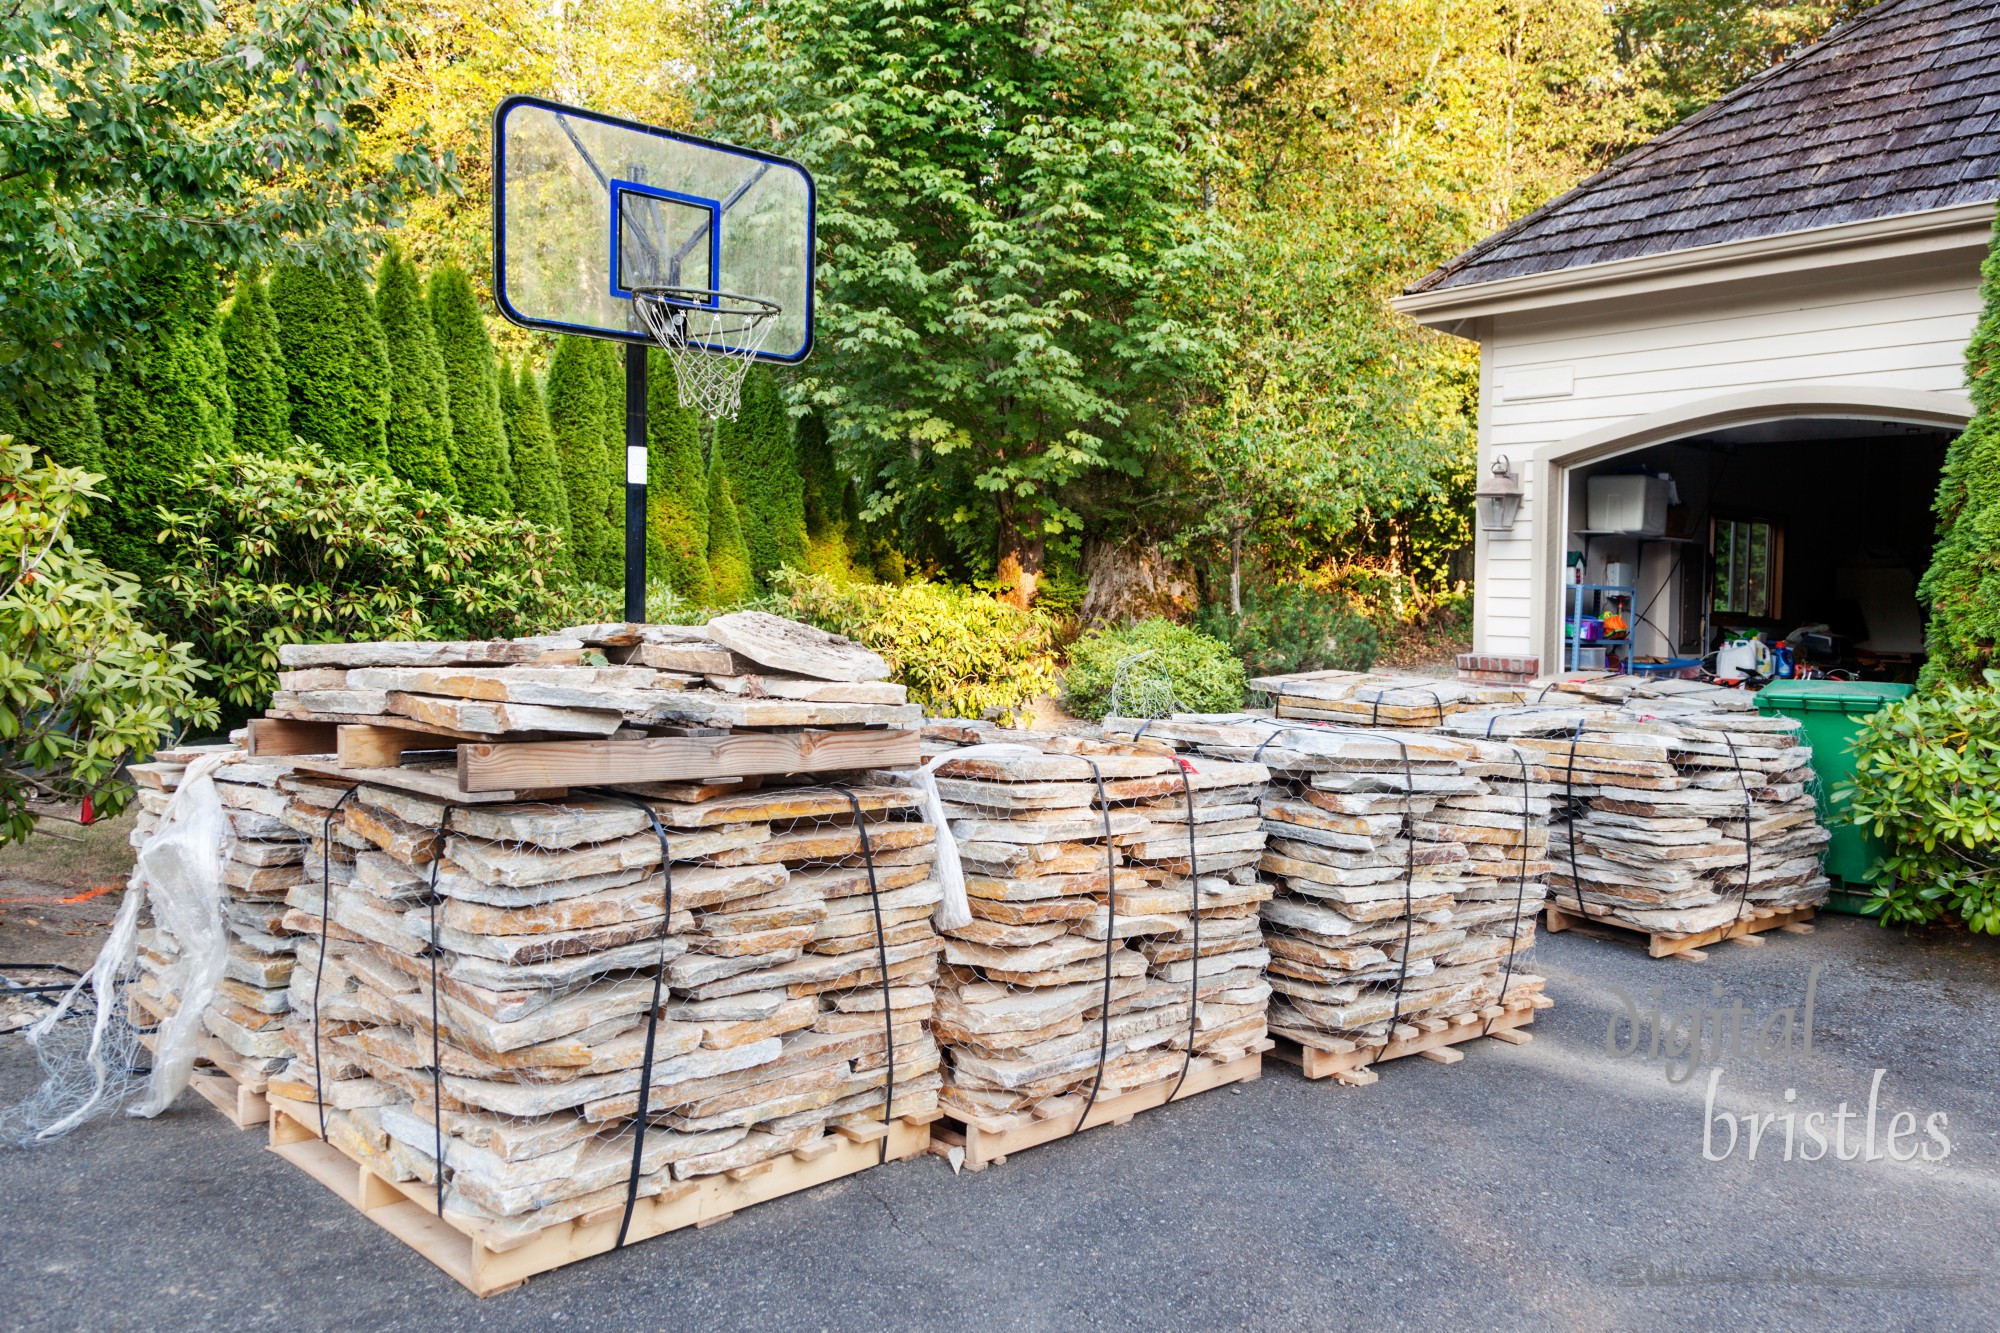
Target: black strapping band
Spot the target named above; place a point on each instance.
(1569, 798)
(437, 1045)
(1194, 916)
(319, 971)
(882, 959)
(1742, 780)
(1409, 896)
(1110, 942)
(1520, 891)
(644, 1113)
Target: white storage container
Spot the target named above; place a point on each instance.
(1629, 502)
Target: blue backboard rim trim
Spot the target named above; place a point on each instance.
(512, 315)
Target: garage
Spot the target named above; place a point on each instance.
(1717, 379)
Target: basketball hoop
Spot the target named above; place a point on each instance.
(711, 337)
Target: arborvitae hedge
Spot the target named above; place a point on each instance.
(764, 476)
(728, 560)
(538, 479)
(831, 514)
(611, 365)
(60, 422)
(677, 517)
(1963, 584)
(478, 439)
(163, 403)
(370, 366)
(256, 369)
(320, 351)
(419, 427)
(576, 416)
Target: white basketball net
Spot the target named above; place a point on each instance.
(711, 346)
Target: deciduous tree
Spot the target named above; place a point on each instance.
(1009, 194)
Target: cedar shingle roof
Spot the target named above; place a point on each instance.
(1895, 112)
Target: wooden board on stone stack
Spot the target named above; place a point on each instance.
(579, 707)
(1687, 821)
(1077, 890)
(1376, 699)
(798, 956)
(1410, 869)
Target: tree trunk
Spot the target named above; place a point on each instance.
(1020, 556)
(1236, 573)
(1131, 580)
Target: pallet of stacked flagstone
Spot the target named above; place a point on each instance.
(476, 987)
(1681, 816)
(1409, 869)
(1113, 961)
(1375, 699)
(747, 693)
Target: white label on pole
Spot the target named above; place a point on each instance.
(635, 465)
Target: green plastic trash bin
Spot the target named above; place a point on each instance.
(1832, 711)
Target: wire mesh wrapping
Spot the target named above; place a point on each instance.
(1113, 897)
(163, 960)
(495, 976)
(1408, 870)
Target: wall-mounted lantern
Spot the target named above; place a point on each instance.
(1499, 497)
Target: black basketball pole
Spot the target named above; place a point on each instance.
(635, 481)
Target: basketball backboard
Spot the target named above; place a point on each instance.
(588, 207)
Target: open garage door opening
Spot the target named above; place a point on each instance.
(1807, 534)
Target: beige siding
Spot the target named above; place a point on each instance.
(1623, 362)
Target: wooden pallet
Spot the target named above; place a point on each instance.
(217, 1076)
(1319, 1055)
(229, 1087)
(407, 1210)
(1754, 922)
(974, 1145)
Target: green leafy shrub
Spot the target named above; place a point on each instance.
(1927, 780)
(300, 548)
(1291, 627)
(1149, 668)
(962, 652)
(84, 684)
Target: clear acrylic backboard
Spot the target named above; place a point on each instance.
(587, 208)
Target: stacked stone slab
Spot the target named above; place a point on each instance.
(1409, 869)
(1676, 811)
(1078, 891)
(775, 1024)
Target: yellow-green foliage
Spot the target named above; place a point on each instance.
(962, 652)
